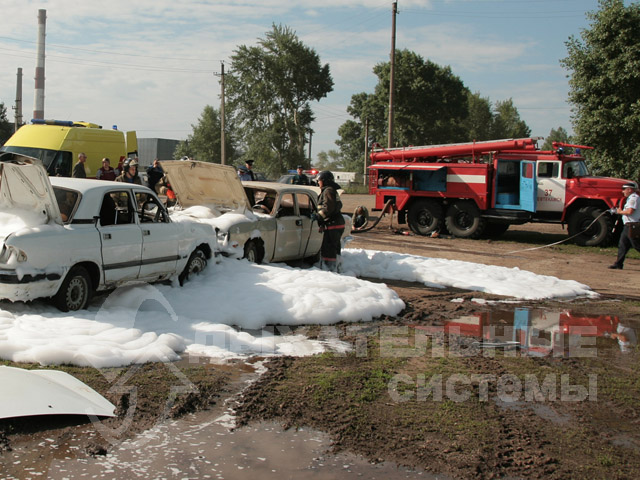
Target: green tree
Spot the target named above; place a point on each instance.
(269, 91)
(6, 127)
(559, 135)
(507, 122)
(205, 141)
(331, 160)
(604, 81)
(430, 106)
(479, 123)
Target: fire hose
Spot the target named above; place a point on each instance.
(389, 203)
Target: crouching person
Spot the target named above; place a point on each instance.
(330, 220)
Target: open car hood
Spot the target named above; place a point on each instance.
(203, 183)
(24, 185)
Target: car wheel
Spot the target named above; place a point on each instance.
(253, 252)
(75, 291)
(197, 263)
(424, 217)
(598, 234)
(463, 220)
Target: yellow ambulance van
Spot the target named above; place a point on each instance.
(57, 144)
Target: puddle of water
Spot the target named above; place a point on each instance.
(539, 332)
(202, 446)
(205, 445)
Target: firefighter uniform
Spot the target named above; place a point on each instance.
(330, 220)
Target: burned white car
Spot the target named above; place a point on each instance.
(66, 238)
(260, 221)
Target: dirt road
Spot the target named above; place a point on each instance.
(565, 261)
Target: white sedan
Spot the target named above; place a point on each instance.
(66, 238)
(260, 221)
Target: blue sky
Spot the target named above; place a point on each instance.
(149, 65)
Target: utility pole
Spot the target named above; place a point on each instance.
(392, 73)
(223, 152)
(366, 147)
(310, 137)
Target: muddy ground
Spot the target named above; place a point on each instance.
(502, 413)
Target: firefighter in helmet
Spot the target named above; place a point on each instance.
(330, 220)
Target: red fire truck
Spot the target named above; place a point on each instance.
(481, 188)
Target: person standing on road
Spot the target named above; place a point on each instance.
(630, 213)
(249, 165)
(154, 174)
(129, 172)
(330, 220)
(78, 169)
(300, 178)
(106, 172)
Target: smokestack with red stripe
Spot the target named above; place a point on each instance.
(38, 102)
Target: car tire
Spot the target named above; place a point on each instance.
(463, 220)
(599, 234)
(75, 292)
(253, 251)
(425, 217)
(195, 265)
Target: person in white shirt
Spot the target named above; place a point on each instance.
(630, 213)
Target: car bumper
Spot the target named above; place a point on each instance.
(29, 286)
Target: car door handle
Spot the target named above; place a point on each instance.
(106, 236)
(298, 223)
(146, 232)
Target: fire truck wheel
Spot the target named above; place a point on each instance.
(463, 220)
(598, 234)
(425, 216)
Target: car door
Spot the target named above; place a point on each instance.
(160, 238)
(311, 237)
(120, 237)
(289, 228)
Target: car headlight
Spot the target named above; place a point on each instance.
(10, 253)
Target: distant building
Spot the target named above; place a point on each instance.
(346, 178)
(151, 148)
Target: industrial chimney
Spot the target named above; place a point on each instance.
(38, 102)
(18, 106)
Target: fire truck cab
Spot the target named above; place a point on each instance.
(480, 188)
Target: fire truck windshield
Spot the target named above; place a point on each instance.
(575, 168)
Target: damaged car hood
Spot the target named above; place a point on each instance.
(48, 392)
(204, 183)
(24, 185)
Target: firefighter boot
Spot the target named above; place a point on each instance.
(330, 265)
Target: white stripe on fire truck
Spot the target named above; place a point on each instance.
(453, 178)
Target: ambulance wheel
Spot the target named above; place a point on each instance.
(463, 220)
(75, 291)
(598, 234)
(425, 217)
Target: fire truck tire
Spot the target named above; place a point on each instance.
(599, 234)
(463, 220)
(425, 217)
